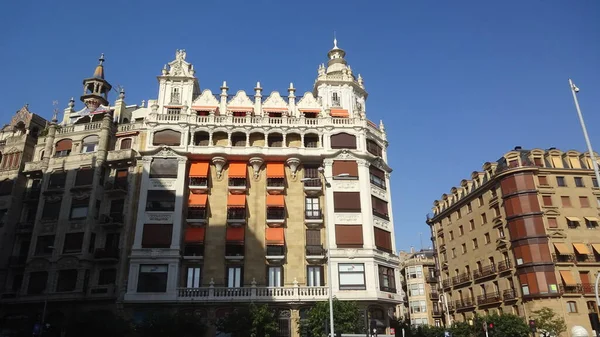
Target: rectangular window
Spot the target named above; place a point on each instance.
(471, 225)
(475, 244)
(486, 236)
(552, 223)
(234, 277)
(44, 245)
(387, 279)
(414, 272)
(483, 218)
(312, 208)
(377, 177)
(416, 289)
(480, 201)
(57, 180)
(560, 181)
(315, 276)
(157, 235)
(595, 182)
(351, 276)
(501, 232)
(451, 234)
(566, 201)
(193, 277)
(571, 307)
(469, 208)
(380, 208)
(51, 210)
(153, 278)
(79, 209)
(383, 240)
(464, 248)
(349, 236)
(73, 243)
(346, 202)
(543, 180)
(496, 211)
(453, 252)
(107, 276)
(418, 306)
(579, 182)
(458, 214)
(37, 282)
(275, 276)
(345, 169)
(584, 202)
(160, 201)
(461, 231)
(537, 161)
(163, 168)
(547, 199)
(67, 280)
(85, 176)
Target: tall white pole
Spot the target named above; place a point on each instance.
(574, 91)
(329, 268)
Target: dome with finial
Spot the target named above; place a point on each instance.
(99, 71)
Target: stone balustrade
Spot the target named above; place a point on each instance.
(253, 293)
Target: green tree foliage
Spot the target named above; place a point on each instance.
(462, 329)
(98, 324)
(252, 321)
(170, 325)
(547, 324)
(508, 325)
(346, 318)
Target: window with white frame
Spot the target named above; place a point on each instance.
(234, 277)
(313, 211)
(314, 276)
(89, 144)
(351, 276)
(419, 321)
(418, 306)
(275, 276)
(193, 277)
(414, 272)
(416, 289)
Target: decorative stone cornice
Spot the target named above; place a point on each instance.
(219, 163)
(256, 163)
(293, 163)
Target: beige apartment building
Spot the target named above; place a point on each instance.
(521, 235)
(420, 284)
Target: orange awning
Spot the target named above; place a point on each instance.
(237, 170)
(338, 113)
(275, 170)
(240, 108)
(204, 107)
(581, 248)
(194, 234)
(236, 200)
(567, 277)
(275, 236)
(275, 109)
(235, 234)
(275, 200)
(197, 200)
(199, 169)
(562, 248)
(596, 247)
(309, 110)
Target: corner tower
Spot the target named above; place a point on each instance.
(96, 88)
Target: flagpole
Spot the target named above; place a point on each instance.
(574, 91)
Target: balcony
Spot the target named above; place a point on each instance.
(252, 294)
(447, 283)
(109, 255)
(117, 187)
(236, 216)
(509, 295)
(275, 185)
(237, 185)
(574, 289)
(315, 253)
(24, 227)
(126, 156)
(588, 288)
(489, 298)
(313, 187)
(489, 270)
(275, 254)
(275, 216)
(112, 220)
(436, 312)
(465, 303)
(198, 184)
(434, 295)
(563, 258)
(196, 216)
(234, 252)
(504, 266)
(33, 168)
(586, 258)
(313, 218)
(193, 252)
(18, 261)
(461, 279)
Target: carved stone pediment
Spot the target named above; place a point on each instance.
(241, 100)
(206, 99)
(275, 101)
(308, 102)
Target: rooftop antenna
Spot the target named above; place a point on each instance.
(421, 239)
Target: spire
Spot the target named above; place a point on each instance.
(99, 72)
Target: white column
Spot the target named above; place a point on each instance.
(179, 200)
(328, 208)
(365, 204)
(141, 214)
(388, 193)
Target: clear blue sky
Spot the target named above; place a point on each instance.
(458, 83)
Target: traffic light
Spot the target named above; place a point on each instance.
(490, 326)
(532, 325)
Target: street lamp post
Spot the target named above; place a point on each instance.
(574, 91)
(329, 271)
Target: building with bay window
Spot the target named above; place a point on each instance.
(242, 194)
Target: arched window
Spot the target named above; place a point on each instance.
(90, 143)
(167, 137)
(125, 144)
(63, 148)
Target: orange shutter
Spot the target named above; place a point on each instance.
(194, 235)
(236, 200)
(197, 200)
(199, 170)
(276, 200)
(275, 170)
(275, 236)
(237, 170)
(235, 234)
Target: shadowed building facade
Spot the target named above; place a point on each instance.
(521, 235)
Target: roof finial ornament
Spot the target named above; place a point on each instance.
(101, 59)
(334, 41)
(71, 102)
(55, 114)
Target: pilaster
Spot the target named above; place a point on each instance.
(179, 199)
(141, 213)
(365, 204)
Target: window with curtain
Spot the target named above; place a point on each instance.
(351, 276)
